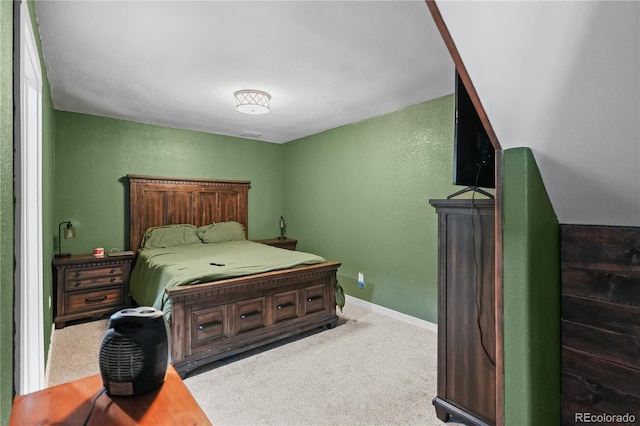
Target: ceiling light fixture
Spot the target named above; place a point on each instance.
(255, 102)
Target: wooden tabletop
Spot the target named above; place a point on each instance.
(70, 404)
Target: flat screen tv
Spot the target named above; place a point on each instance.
(473, 156)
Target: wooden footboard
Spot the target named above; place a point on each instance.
(214, 320)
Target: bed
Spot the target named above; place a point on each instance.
(221, 312)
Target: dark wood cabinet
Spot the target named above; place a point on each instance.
(87, 286)
(466, 320)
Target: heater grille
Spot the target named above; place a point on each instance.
(121, 358)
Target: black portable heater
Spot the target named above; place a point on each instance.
(135, 352)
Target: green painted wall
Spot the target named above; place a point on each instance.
(531, 280)
(6, 209)
(359, 194)
(93, 154)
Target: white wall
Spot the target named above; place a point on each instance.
(562, 78)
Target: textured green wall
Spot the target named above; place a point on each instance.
(359, 194)
(531, 262)
(6, 210)
(93, 154)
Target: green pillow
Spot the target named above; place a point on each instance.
(170, 236)
(221, 232)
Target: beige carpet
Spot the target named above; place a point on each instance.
(369, 370)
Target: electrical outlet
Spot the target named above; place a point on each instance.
(360, 280)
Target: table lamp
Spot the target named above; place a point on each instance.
(69, 232)
(282, 226)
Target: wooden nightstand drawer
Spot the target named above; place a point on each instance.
(80, 279)
(89, 273)
(86, 286)
(77, 302)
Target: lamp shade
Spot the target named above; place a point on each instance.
(69, 232)
(254, 102)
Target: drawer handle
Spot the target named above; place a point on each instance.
(209, 324)
(94, 299)
(78, 273)
(113, 279)
(250, 314)
(77, 284)
(311, 299)
(112, 270)
(286, 305)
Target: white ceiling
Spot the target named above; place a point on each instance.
(178, 63)
(562, 78)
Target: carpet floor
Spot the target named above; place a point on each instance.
(369, 370)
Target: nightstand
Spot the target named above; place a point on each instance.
(286, 243)
(86, 286)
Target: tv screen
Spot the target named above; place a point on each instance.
(473, 155)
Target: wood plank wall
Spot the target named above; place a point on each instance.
(600, 323)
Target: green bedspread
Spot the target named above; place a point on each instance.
(160, 268)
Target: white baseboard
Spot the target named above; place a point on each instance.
(393, 314)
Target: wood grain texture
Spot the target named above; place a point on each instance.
(157, 201)
(70, 404)
(600, 320)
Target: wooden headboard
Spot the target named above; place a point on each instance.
(156, 201)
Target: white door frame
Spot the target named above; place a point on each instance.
(29, 315)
